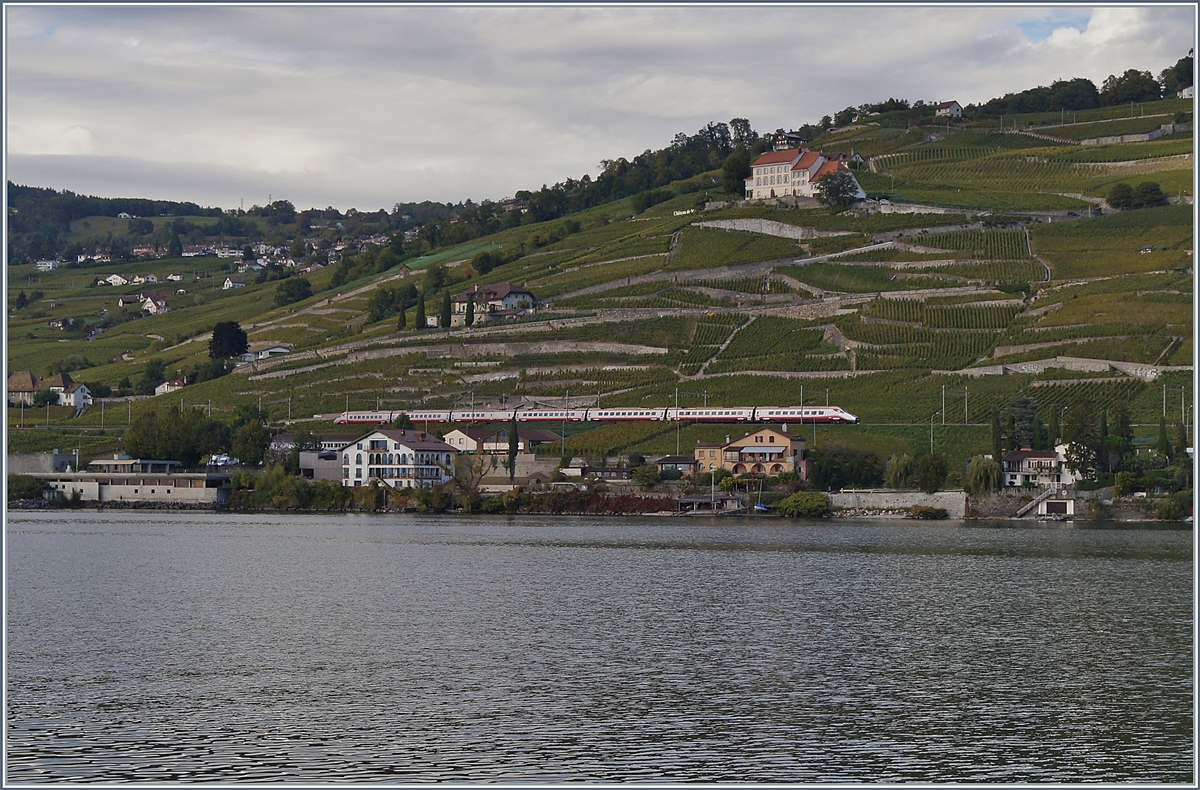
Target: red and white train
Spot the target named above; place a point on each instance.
(793, 414)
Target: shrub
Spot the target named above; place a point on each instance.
(804, 504)
(291, 290)
(646, 475)
(930, 472)
(922, 512)
(26, 487)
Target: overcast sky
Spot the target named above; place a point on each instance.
(370, 106)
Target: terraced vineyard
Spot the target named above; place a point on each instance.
(668, 295)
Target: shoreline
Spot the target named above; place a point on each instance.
(30, 506)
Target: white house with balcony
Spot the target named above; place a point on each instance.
(1041, 468)
(397, 458)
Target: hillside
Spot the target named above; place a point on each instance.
(1004, 266)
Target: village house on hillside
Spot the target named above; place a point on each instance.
(167, 387)
(792, 172)
(492, 440)
(23, 385)
(948, 109)
(493, 303)
(398, 458)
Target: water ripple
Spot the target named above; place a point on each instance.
(175, 647)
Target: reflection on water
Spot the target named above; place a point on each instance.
(308, 648)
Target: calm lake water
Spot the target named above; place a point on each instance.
(285, 648)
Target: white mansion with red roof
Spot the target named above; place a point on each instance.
(791, 172)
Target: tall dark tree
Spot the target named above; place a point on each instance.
(228, 341)
(1176, 78)
(1132, 86)
(1147, 194)
(420, 322)
(1163, 445)
(735, 172)
(930, 473)
(997, 437)
(470, 320)
(400, 324)
(444, 318)
(514, 447)
(250, 443)
(1039, 434)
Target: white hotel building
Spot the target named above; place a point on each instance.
(397, 458)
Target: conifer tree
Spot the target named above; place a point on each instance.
(1163, 445)
(514, 446)
(420, 323)
(444, 321)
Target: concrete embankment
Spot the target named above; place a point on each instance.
(954, 502)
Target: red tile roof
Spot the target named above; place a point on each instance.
(806, 160)
(776, 157)
(828, 168)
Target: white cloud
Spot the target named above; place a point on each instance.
(37, 138)
(370, 105)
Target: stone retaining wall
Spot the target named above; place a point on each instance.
(955, 502)
(768, 227)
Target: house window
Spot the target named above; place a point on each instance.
(358, 457)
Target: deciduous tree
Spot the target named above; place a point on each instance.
(837, 188)
(982, 475)
(228, 340)
(930, 472)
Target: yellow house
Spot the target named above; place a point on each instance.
(768, 451)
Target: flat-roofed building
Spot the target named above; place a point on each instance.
(124, 479)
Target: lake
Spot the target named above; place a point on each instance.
(158, 646)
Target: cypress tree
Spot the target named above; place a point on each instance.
(1055, 433)
(420, 322)
(1163, 445)
(1102, 453)
(401, 324)
(1039, 434)
(1181, 440)
(997, 437)
(514, 445)
(444, 321)
(1014, 443)
(470, 309)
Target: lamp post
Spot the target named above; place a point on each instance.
(931, 431)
